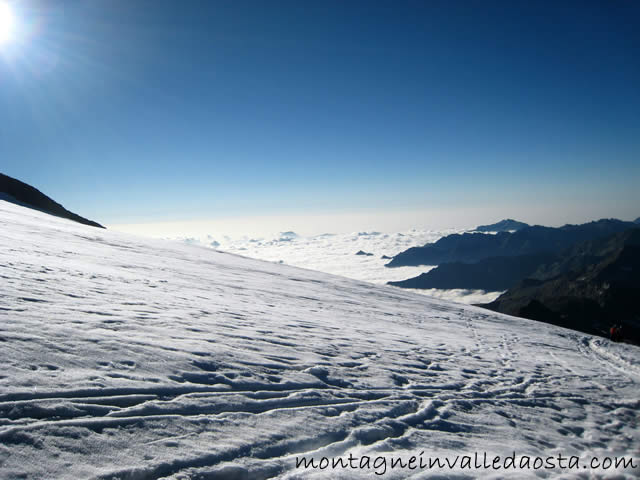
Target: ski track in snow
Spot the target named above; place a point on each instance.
(133, 358)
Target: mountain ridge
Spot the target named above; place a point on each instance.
(473, 247)
(21, 193)
(506, 225)
(489, 274)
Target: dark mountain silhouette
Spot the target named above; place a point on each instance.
(501, 273)
(20, 193)
(492, 274)
(473, 247)
(503, 226)
(594, 285)
(362, 252)
(637, 220)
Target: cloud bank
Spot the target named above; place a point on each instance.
(338, 254)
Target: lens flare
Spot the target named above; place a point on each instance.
(6, 23)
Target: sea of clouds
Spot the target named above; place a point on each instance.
(337, 254)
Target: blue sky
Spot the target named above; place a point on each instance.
(135, 111)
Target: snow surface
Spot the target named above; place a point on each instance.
(336, 254)
(131, 358)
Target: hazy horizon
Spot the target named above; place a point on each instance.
(356, 221)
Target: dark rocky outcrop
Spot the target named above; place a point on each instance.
(18, 192)
(594, 285)
(473, 247)
(362, 252)
(506, 225)
(491, 274)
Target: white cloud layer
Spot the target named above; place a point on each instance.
(337, 254)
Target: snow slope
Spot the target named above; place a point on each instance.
(131, 358)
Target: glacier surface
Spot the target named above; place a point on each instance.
(133, 358)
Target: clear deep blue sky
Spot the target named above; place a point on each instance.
(156, 109)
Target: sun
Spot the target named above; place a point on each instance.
(6, 23)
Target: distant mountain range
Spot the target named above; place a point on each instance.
(473, 247)
(507, 225)
(18, 192)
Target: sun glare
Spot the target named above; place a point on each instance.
(6, 23)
